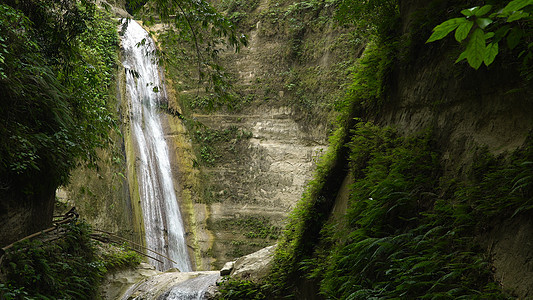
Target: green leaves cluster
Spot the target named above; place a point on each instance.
(483, 40)
(121, 258)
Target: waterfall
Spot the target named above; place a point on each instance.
(162, 218)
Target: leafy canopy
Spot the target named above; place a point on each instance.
(209, 32)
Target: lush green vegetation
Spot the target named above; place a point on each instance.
(57, 62)
(199, 33)
(57, 68)
(408, 233)
(60, 267)
(231, 289)
(66, 268)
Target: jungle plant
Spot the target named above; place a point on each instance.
(66, 268)
(57, 70)
(375, 17)
(484, 28)
(232, 289)
(400, 239)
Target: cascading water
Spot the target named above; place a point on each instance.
(192, 289)
(162, 219)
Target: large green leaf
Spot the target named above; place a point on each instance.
(469, 11)
(490, 53)
(461, 57)
(462, 31)
(475, 50)
(483, 22)
(442, 30)
(483, 11)
(516, 5)
(514, 36)
(501, 32)
(517, 15)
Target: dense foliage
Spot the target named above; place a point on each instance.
(231, 289)
(57, 61)
(59, 267)
(65, 269)
(375, 17)
(408, 233)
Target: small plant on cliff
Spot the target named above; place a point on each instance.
(120, 257)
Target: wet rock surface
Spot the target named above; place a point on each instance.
(146, 283)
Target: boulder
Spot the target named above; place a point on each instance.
(255, 266)
(228, 267)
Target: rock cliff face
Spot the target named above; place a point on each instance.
(238, 172)
(468, 109)
(244, 169)
(22, 214)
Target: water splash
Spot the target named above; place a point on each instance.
(162, 218)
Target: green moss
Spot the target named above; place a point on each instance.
(120, 258)
(212, 144)
(251, 227)
(306, 219)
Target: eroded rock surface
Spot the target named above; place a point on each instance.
(117, 283)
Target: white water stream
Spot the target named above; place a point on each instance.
(192, 289)
(161, 214)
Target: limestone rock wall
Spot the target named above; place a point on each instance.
(242, 170)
